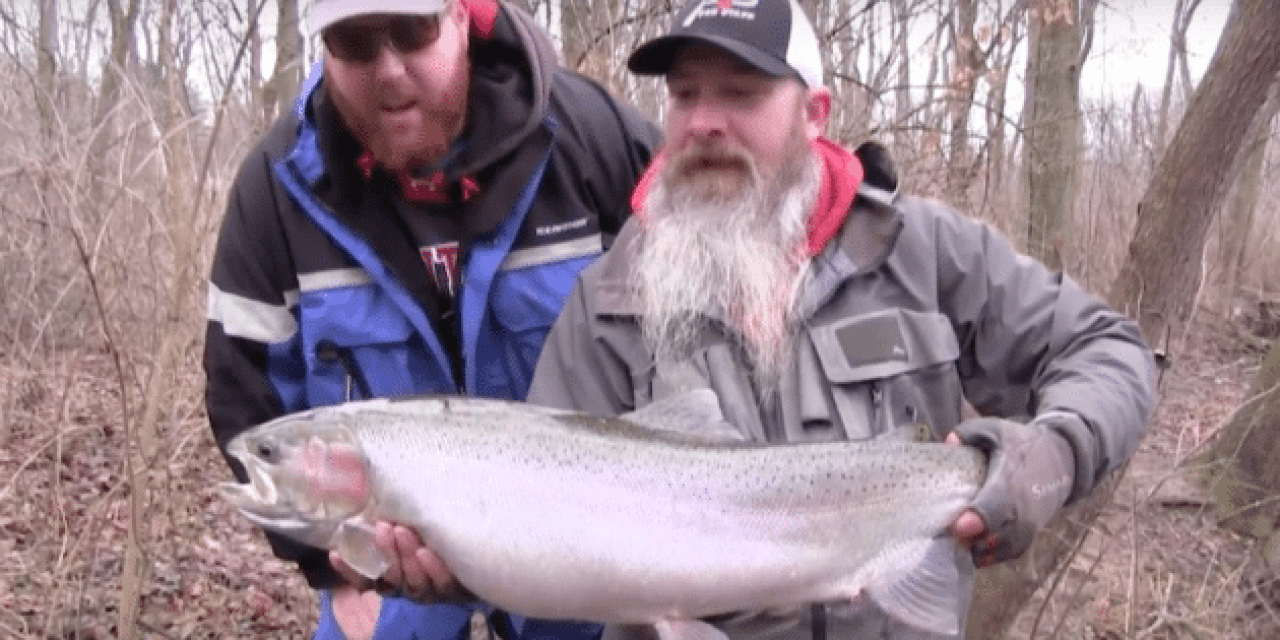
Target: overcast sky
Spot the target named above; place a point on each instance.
(1131, 45)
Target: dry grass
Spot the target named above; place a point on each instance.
(66, 520)
(1155, 564)
(106, 460)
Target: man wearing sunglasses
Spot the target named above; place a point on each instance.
(412, 226)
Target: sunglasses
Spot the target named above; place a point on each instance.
(362, 43)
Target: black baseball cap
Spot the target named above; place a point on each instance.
(773, 36)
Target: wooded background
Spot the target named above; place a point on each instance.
(123, 122)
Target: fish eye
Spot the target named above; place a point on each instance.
(266, 451)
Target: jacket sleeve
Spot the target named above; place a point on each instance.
(247, 357)
(1033, 343)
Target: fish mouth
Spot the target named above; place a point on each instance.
(259, 499)
(272, 506)
(259, 494)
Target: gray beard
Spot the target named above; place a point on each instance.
(733, 253)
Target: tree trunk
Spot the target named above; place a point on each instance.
(1175, 34)
(179, 209)
(969, 64)
(1137, 132)
(934, 116)
(1247, 477)
(286, 79)
(870, 30)
(1008, 37)
(902, 104)
(123, 20)
(1237, 218)
(937, 67)
(529, 5)
(1183, 11)
(1050, 146)
(1160, 275)
(47, 66)
(254, 64)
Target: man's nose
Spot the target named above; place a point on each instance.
(388, 62)
(707, 119)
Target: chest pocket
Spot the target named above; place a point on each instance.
(525, 302)
(357, 344)
(882, 370)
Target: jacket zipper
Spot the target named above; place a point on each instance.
(329, 352)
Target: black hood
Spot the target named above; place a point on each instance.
(511, 69)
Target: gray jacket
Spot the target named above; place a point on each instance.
(910, 311)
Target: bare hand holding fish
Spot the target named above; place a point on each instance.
(413, 570)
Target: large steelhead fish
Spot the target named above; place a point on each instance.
(654, 517)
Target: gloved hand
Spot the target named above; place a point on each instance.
(1030, 475)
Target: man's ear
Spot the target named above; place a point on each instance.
(817, 111)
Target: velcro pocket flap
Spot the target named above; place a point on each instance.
(884, 344)
(354, 317)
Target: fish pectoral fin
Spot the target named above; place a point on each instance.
(928, 595)
(685, 629)
(354, 540)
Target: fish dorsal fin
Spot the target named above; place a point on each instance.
(927, 596)
(915, 432)
(679, 629)
(692, 413)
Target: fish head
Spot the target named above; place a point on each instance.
(306, 477)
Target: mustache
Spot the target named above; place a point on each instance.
(693, 160)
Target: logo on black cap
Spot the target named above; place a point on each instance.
(740, 9)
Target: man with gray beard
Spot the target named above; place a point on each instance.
(785, 273)
(727, 241)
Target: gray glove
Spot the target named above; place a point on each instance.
(1030, 475)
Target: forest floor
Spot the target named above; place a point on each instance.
(1156, 566)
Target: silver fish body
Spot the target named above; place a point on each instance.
(561, 515)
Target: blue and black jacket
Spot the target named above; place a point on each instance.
(319, 295)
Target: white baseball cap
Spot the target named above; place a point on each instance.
(327, 12)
